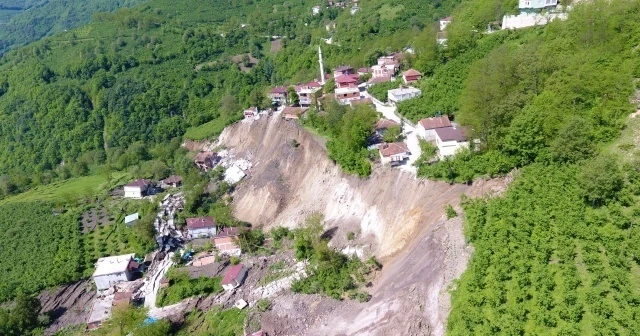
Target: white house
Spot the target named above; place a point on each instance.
(137, 188)
(112, 270)
(450, 140)
(525, 5)
(401, 94)
(394, 152)
(234, 277)
(444, 23)
(315, 10)
(201, 227)
(427, 126)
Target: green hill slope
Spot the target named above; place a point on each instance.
(22, 22)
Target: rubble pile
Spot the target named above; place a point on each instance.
(168, 236)
(235, 169)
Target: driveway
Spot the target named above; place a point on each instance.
(411, 136)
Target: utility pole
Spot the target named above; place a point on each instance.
(321, 65)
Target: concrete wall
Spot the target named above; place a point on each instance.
(203, 232)
(449, 148)
(132, 192)
(108, 280)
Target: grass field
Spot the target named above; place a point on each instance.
(68, 190)
(206, 130)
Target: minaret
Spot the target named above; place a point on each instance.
(321, 66)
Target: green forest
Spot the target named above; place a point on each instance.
(25, 21)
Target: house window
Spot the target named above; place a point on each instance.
(527, 4)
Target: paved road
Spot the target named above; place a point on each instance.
(411, 136)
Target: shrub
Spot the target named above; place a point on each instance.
(451, 213)
(263, 305)
(351, 236)
(234, 260)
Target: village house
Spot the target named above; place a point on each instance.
(393, 153)
(173, 181)
(131, 219)
(226, 241)
(384, 70)
(203, 259)
(450, 140)
(347, 88)
(354, 9)
(361, 101)
(536, 5)
(444, 23)
(122, 299)
(234, 277)
(112, 270)
(342, 71)
(401, 94)
(250, 113)
(315, 10)
(411, 76)
(384, 124)
(201, 227)
(364, 71)
(427, 126)
(306, 91)
(137, 188)
(100, 311)
(378, 80)
(206, 160)
(279, 95)
(292, 112)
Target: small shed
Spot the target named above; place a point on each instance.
(234, 277)
(173, 181)
(131, 219)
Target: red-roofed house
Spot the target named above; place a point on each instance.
(347, 88)
(427, 126)
(305, 92)
(292, 112)
(225, 241)
(251, 112)
(343, 70)
(364, 71)
(343, 81)
(234, 277)
(393, 152)
(137, 188)
(279, 95)
(201, 227)
(411, 76)
(450, 140)
(383, 124)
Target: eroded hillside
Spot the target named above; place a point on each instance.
(287, 183)
(399, 217)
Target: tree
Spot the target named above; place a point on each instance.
(392, 134)
(601, 179)
(574, 141)
(293, 96)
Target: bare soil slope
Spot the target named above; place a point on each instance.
(400, 217)
(288, 183)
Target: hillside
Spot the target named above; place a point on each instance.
(23, 22)
(554, 253)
